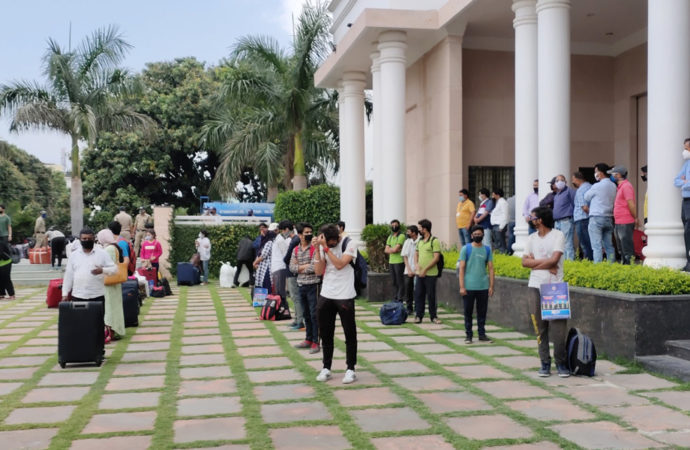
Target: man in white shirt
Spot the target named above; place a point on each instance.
(544, 255)
(57, 242)
(278, 252)
(86, 268)
(408, 251)
(500, 216)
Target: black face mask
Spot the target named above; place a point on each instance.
(477, 239)
(536, 190)
(395, 228)
(307, 238)
(87, 244)
(644, 178)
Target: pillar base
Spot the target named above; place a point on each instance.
(666, 247)
(521, 235)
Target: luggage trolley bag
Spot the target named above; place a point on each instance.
(187, 274)
(54, 294)
(150, 274)
(130, 302)
(80, 333)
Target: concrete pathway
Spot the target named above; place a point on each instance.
(185, 379)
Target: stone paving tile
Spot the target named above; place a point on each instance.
(69, 378)
(267, 363)
(426, 383)
(203, 348)
(364, 378)
(650, 418)
(415, 339)
(200, 331)
(205, 372)
(150, 337)
(679, 438)
(372, 346)
(135, 383)
(35, 351)
(525, 343)
(201, 324)
(309, 438)
(451, 358)
(250, 342)
(36, 438)
(195, 360)
(144, 356)
(520, 362)
(429, 348)
(398, 331)
(248, 326)
(639, 381)
(266, 376)
(605, 367)
(208, 406)
(41, 341)
(260, 351)
(140, 369)
(388, 419)
(149, 328)
(506, 389)
(474, 372)
(55, 394)
(366, 397)
(23, 361)
(392, 355)
(488, 427)
(283, 392)
(555, 380)
(549, 409)
(43, 414)
(148, 346)
(6, 388)
(208, 339)
(113, 443)
(444, 402)
(678, 399)
(542, 445)
(412, 443)
(222, 428)
(117, 422)
(22, 373)
(401, 368)
(494, 350)
(251, 333)
(603, 435)
(131, 400)
(605, 395)
(206, 387)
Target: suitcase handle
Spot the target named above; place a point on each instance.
(80, 305)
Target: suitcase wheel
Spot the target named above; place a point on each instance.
(99, 362)
(62, 364)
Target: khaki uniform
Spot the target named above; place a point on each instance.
(140, 222)
(40, 233)
(126, 223)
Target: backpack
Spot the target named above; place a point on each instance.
(166, 286)
(132, 266)
(582, 355)
(393, 313)
(468, 252)
(441, 260)
(275, 308)
(158, 291)
(359, 264)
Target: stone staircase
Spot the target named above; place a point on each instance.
(675, 363)
(26, 274)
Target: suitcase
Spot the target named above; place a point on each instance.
(39, 255)
(187, 274)
(54, 295)
(130, 302)
(80, 333)
(639, 242)
(150, 274)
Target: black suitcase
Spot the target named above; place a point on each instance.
(80, 333)
(130, 302)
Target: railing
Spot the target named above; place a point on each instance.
(221, 220)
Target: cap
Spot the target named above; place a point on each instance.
(43, 211)
(618, 169)
(552, 181)
(273, 227)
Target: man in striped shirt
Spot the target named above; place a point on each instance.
(302, 264)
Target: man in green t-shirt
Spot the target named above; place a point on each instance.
(427, 255)
(476, 282)
(5, 226)
(396, 265)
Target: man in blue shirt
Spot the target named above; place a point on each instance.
(599, 199)
(580, 216)
(682, 181)
(563, 204)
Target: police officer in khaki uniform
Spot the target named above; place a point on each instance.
(40, 231)
(142, 219)
(125, 222)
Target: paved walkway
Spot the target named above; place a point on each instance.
(186, 379)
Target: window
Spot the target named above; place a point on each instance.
(490, 178)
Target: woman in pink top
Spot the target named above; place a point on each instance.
(151, 250)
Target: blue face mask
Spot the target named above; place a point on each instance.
(461, 199)
(613, 178)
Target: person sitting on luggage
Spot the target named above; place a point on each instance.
(151, 250)
(86, 268)
(114, 314)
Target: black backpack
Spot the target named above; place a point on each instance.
(359, 264)
(441, 261)
(582, 355)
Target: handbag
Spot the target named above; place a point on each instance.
(121, 275)
(555, 301)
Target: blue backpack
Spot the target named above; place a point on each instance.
(468, 252)
(393, 313)
(361, 269)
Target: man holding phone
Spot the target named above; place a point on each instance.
(86, 268)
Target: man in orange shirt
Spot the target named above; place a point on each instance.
(464, 215)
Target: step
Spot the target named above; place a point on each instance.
(679, 348)
(667, 365)
(26, 267)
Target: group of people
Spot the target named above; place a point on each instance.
(495, 214)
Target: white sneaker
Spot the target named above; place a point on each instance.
(349, 377)
(324, 375)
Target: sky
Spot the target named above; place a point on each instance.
(158, 30)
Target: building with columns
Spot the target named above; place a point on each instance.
(497, 93)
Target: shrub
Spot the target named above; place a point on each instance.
(374, 236)
(317, 205)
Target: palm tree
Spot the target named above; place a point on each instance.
(82, 96)
(273, 119)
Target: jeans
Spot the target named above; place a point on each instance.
(293, 289)
(57, 246)
(398, 278)
(566, 227)
(409, 293)
(511, 237)
(464, 234)
(279, 280)
(249, 266)
(499, 238)
(582, 230)
(685, 216)
(326, 310)
(307, 301)
(624, 239)
(425, 289)
(601, 234)
(487, 238)
(556, 328)
(482, 300)
(204, 263)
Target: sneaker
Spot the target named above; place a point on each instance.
(417, 320)
(468, 340)
(485, 338)
(314, 348)
(545, 370)
(324, 375)
(436, 320)
(349, 377)
(295, 326)
(303, 344)
(563, 371)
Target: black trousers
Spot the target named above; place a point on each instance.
(409, 293)
(397, 276)
(6, 286)
(250, 266)
(326, 310)
(425, 289)
(482, 300)
(57, 246)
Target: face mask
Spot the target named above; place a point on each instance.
(308, 237)
(613, 178)
(87, 244)
(461, 199)
(644, 178)
(395, 228)
(201, 235)
(686, 154)
(596, 176)
(536, 190)
(560, 185)
(43, 215)
(477, 239)
(148, 238)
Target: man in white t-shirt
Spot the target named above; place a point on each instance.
(408, 251)
(544, 255)
(278, 252)
(337, 297)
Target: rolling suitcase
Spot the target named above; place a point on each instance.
(150, 274)
(54, 295)
(187, 274)
(130, 302)
(80, 333)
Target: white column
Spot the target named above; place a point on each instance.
(553, 76)
(392, 62)
(668, 116)
(377, 201)
(352, 183)
(526, 154)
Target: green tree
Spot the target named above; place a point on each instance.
(272, 118)
(82, 97)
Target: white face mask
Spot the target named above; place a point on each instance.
(201, 235)
(686, 154)
(596, 176)
(560, 184)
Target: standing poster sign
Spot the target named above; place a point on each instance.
(555, 301)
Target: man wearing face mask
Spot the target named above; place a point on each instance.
(86, 268)
(548, 199)
(463, 216)
(531, 202)
(302, 265)
(624, 213)
(580, 217)
(682, 181)
(396, 265)
(278, 251)
(476, 282)
(203, 246)
(483, 216)
(599, 200)
(40, 231)
(563, 205)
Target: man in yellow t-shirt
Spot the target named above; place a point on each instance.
(425, 259)
(464, 215)
(396, 265)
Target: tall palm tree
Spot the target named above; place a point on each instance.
(273, 119)
(82, 96)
